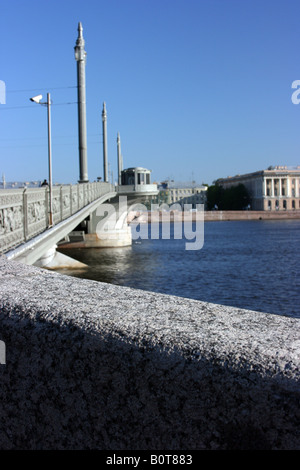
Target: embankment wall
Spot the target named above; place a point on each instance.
(96, 366)
(251, 215)
(165, 216)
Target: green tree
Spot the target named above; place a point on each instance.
(234, 198)
(214, 195)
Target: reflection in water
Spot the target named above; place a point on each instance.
(121, 266)
(247, 264)
(104, 264)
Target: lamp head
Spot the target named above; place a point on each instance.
(36, 99)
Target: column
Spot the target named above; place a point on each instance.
(104, 132)
(119, 159)
(288, 187)
(279, 187)
(80, 56)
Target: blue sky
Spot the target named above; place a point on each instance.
(198, 89)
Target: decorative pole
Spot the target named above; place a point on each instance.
(104, 131)
(120, 165)
(80, 56)
(49, 160)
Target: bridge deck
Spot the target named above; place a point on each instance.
(24, 213)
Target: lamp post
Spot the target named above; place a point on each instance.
(37, 99)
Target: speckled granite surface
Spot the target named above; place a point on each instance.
(95, 366)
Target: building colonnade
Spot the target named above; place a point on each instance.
(281, 193)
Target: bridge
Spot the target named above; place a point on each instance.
(26, 234)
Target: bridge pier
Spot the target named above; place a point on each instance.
(52, 259)
(108, 224)
(107, 227)
(111, 239)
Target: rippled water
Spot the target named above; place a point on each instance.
(248, 264)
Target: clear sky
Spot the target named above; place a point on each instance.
(198, 89)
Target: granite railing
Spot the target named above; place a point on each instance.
(24, 213)
(97, 366)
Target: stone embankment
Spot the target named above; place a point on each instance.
(165, 216)
(96, 366)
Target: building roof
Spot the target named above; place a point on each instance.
(270, 171)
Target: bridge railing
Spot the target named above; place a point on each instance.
(24, 213)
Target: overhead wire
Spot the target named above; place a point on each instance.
(30, 106)
(35, 89)
(33, 107)
(41, 88)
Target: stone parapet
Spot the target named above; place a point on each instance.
(91, 365)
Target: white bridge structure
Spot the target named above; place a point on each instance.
(25, 233)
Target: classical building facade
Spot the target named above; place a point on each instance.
(273, 189)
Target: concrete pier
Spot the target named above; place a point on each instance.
(52, 259)
(91, 365)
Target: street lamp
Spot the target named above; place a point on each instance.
(37, 99)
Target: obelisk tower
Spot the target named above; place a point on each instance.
(80, 56)
(104, 132)
(120, 164)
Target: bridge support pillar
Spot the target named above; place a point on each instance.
(112, 238)
(52, 259)
(108, 228)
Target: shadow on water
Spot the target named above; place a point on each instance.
(247, 264)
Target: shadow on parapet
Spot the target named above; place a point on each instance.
(66, 387)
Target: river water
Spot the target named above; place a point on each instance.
(249, 264)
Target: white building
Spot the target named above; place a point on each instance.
(273, 189)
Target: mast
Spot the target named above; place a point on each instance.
(80, 57)
(104, 132)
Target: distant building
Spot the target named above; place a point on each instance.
(277, 188)
(17, 184)
(171, 192)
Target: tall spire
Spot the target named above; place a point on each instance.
(80, 56)
(80, 40)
